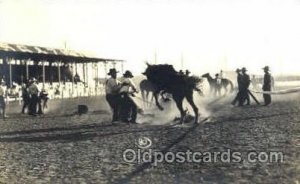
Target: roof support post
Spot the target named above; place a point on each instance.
(86, 72)
(27, 70)
(10, 73)
(105, 69)
(72, 79)
(43, 65)
(97, 73)
(122, 67)
(83, 72)
(59, 77)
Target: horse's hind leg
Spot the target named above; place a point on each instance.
(151, 99)
(156, 93)
(178, 102)
(143, 97)
(226, 89)
(147, 97)
(190, 100)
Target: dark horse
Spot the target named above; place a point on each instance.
(214, 87)
(167, 79)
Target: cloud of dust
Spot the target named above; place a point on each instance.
(154, 116)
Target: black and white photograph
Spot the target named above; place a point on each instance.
(149, 91)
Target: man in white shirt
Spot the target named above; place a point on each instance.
(112, 88)
(218, 85)
(2, 97)
(129, 108)
(33, 91)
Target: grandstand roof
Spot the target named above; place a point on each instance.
(37, 53)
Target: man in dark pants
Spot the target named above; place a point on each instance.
(112, 93)
(267, 85)
(25, 98)
(33, 92)
(245, 82)
(239, 81)
(218, 85)
(128, 107)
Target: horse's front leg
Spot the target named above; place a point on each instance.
(155, 94)
(190, 100)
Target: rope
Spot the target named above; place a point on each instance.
(280, 92)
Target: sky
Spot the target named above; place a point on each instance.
(202, 36)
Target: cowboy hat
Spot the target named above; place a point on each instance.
(128, 74)
(112, 71)
(266, 68)
(2, 82)
(237, 70)
(244, 69)
(32, 79)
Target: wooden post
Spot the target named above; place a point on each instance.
(10, 74)
(59, 77)
(86, 72)
(83, 72)
(44, 73)
(105, 68)
(27, 70)
(72, 79)
(122, 67)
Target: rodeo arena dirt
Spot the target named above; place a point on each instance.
(75, 141)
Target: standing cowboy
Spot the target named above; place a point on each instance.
(42, 102)
(239, 83)
(112, 93)
(33, 93)
(218, 85)
(245, 82)
(267, 85)
(25, 97)
(128, 108)
(2, 101)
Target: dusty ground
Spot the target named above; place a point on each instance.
(61, 147)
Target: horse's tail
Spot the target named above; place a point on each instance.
(231, 85)
(142, 89)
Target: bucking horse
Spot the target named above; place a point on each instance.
(167, 79)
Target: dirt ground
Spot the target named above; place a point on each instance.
(62, 147)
